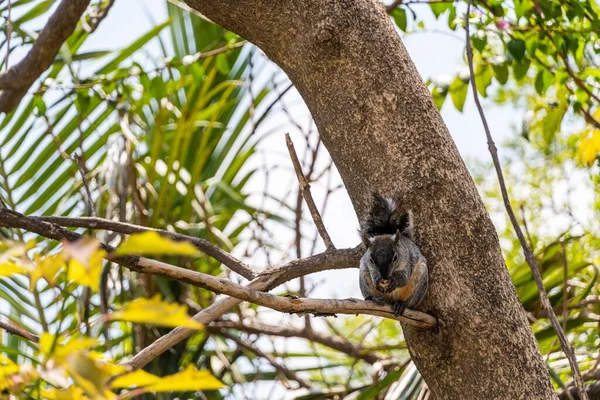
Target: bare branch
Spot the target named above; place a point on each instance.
(280, 368)
(99, 17)
(122, 227)
(529, 256)
(305, 189)
(319, 307)
(337, 343)
(19, 331)
(8, 31)
(265, 281)
(565, 313)
(81, 167)
(15, 82)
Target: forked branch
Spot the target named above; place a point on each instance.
(253, 292)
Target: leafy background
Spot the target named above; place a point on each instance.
(181, 128)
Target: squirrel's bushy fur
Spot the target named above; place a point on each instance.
(386, 218)
(392, 270)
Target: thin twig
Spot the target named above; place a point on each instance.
(305, 189)
(565, 312)
(8, 31)
(393, 6)
(529, 256)
(40, 309)
(338, 343)
(81, 166)
(19, 331)
(90, 84)
(267, 111)
(280, 368)
(96, 19)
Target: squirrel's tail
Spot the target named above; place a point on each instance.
(386, 217)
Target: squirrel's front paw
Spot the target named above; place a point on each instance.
(377, 299)
(398, 307)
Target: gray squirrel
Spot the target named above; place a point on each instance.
(392, 270)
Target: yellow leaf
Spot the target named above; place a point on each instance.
(139, 378)
(14, 251)
(152, 243)
(91, 374)
(71, 393)
(8, 268)
(190, 379)
(85, 262)
(589, 147)
(15, 377)
(47, 268)
(63, 347)
(154, 311)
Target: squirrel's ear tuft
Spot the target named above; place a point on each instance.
(404, 223)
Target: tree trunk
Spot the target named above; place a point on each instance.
(384, 133)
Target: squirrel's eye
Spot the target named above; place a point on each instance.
(395, 257)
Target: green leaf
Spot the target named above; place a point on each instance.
(439, 8)
(40, 105)
(452, 21)
(516, 47)
(520, 69)
(399, 15)
(458, 91)
(439, 96)
(372, 391)
(543, 80)
(501, 73)
(223, 64)
(519, 8)
(483, 79)
(552, 122)
(478, 43)
(532, 44)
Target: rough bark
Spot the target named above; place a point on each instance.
(380, 125)
(15, 82)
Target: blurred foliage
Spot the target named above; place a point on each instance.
(169, 144)
(70, 364)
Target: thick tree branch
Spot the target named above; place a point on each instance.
(15, 82)
(529, 256)
(292, 305)
(333, 342)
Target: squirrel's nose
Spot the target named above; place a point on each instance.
(384, 283)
